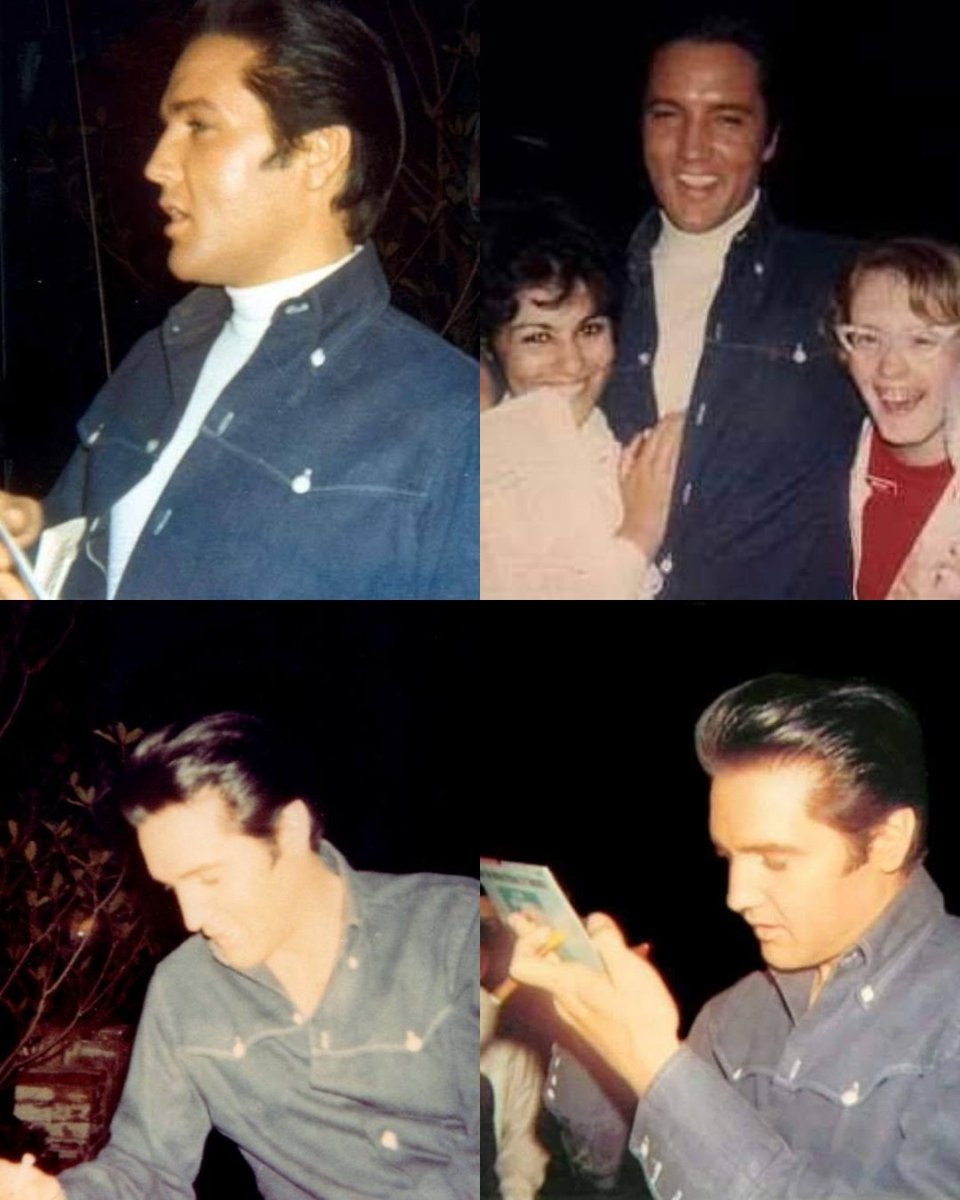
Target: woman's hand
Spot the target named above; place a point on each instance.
(648, 466)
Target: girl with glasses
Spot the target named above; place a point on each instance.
(896, 319)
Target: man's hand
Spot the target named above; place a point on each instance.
(648, 467)
(23, 1181)
(626, 1014)
(23, 518)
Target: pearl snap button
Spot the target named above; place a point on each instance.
(301, 485)
(318, 357)
(388, 1139)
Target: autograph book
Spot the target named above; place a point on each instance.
(523, 887)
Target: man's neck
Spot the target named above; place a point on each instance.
(305, 962)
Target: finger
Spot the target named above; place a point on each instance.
(607, 936)
(11, 588)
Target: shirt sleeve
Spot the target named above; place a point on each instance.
(697, 1138)
(521, 1159)
(160, 1127)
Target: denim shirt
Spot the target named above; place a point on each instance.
(375, 1095)
(759, 509)
(341, 462)
(858, 1096)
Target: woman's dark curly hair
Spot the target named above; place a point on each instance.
(537, 243)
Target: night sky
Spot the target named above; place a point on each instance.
(378, 694)
(871, 138)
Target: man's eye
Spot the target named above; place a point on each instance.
(732, 119)
(925, 341)
(209, 880)
(661, 114)
(197, 126)
(593, 328)
(539, 337)
(774, 864)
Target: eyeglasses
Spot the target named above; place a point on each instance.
(922, 344)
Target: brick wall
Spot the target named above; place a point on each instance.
(72, 1097)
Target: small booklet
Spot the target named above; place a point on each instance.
(522, 887)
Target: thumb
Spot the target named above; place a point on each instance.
(606, 935)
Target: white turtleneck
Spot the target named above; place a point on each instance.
(253, 309)
(687, 269)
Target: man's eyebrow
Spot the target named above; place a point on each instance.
(758, 848)
(207, 866)
(172, 107)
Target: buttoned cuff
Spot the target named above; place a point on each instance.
(697, 1138)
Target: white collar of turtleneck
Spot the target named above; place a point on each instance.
(713, 243)
(253, 307)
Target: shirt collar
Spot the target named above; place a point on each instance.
(882, 948)
(337, 863)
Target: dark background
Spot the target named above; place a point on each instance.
(871, 138)
(54, 353)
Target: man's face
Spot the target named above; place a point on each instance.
(238, 891)
(705, 135)
(233, 221)
(790, 876)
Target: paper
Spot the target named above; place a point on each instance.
(523, 887)
(56, 554)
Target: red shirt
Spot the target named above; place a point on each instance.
(900, 503)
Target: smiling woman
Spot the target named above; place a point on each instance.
(565, 513)
(896, 319)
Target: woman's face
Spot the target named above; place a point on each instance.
(550, 343)
(905, 368)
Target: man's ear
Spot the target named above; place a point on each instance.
(771, 147)
(293, 826)
(892, 840)
(327, 156)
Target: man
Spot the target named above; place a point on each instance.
(292, 436)
(324, 1019)
(834, 1072)
(722, 323)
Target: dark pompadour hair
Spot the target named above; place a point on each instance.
(865, 739)
(541, 242)
(318, 66)
(736, 31)
(256, 771)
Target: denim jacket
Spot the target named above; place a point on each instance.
(375, 1095)
(759, 505)
(858, 1096)
(341, 462)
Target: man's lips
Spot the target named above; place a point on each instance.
(697, 183)
(177, 217)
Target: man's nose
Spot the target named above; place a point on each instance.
(743, 891)
(693, 142)
(191, 910)
(161, 165)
